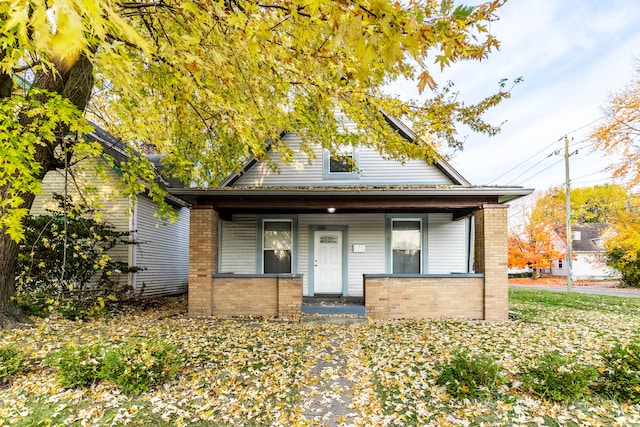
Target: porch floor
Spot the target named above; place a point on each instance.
(333, 305)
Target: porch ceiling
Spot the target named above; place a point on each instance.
(459, 200)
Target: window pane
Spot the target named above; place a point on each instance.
(277, 235)
(341, 164)
(406, 262)
(276, 262)
(277, 247)
(406, 235)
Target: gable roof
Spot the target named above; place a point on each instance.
(590, 236)
(457, 197)
(116, 148)
(444, 167)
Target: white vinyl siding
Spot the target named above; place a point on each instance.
(165, 249)
(446, 247)
(373, 168)
(447, 244)
(113, 209)
(238, 245)
(163, 252)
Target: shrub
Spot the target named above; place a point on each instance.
(137, 366)
(75, 282)
(77, 365)
(470, 376)
(524, 274)
(629, 269)
(11, 362)
(620, 378)
(556, 377)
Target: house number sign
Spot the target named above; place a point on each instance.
(328, 239)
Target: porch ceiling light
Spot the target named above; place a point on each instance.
(331, 210)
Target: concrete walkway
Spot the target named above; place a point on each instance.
(329, 401)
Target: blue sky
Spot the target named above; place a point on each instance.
(571, 54)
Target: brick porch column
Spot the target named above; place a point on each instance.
(289, 295)
(491, 254)
(203, 259)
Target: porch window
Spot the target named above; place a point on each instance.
(277, 245)
(406, 243)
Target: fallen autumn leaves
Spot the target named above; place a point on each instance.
(259, 372)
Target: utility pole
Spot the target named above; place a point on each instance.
(568, 213)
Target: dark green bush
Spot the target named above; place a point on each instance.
(620, 378)
(75, 282)
(556, 377)
(629, 269)
(525, 274)
(77, 365)
(11, 362)
(470, 376)
(137, 366)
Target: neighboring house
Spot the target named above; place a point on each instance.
(588, 261)
(413, 239)
(163, 250)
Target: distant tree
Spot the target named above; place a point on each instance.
(622, 245)
(619, 133)
(597, 204)
(532, 244)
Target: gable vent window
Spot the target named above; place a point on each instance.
(277, 247)
(406, 241)
(341, 164)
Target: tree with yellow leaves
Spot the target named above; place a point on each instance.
(618, 136)
(209, 82)
(619, 133)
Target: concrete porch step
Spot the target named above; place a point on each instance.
(333, 306)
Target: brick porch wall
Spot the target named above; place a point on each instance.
(424, 296)
(491, 252)
(256, 295)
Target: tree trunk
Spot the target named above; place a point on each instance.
(10, 313)
(74, 84)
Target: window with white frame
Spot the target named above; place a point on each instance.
(406, 246)
(277, 246)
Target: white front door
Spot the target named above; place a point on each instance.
(327, 265)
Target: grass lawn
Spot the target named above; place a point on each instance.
(256, 372)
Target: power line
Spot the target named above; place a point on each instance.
(522, 163)
(531, 157)
(533, 176)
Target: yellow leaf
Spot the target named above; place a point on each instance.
(69, 38)
(425, 79)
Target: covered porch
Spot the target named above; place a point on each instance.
(479, 293)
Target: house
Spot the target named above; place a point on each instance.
(588, 261)
(414, 239)
(162, 254)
